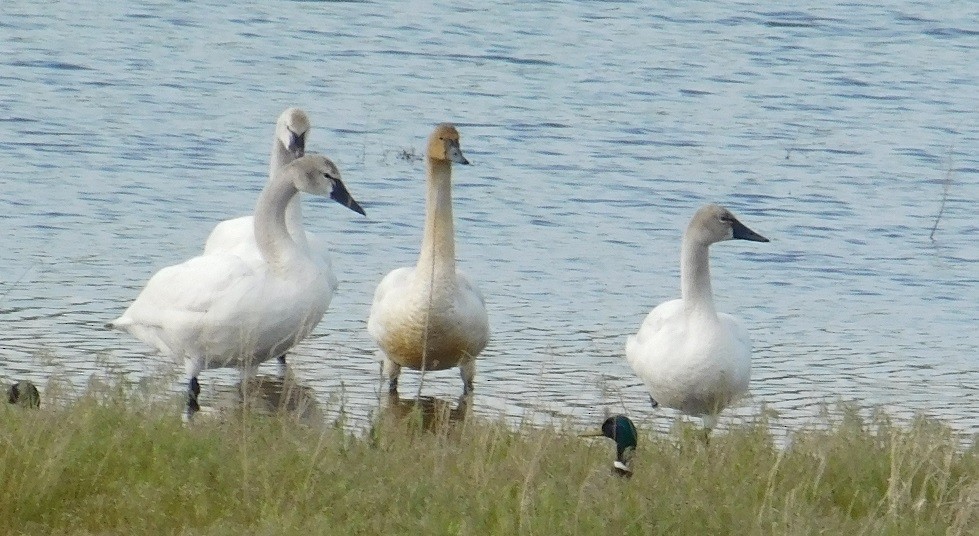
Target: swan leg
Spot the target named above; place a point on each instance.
(391, 370)
(193, 392)
(710, 421)
(192, 367)
(467, 369)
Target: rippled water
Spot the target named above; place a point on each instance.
(595, 129)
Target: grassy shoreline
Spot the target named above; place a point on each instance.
(114, 462)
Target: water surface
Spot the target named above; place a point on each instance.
(595, 129)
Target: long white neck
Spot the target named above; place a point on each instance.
(438, 251)
(271, 231)
(294, 214)
(695, 276)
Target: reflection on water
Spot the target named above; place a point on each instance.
(284, 394)
(271, 394)
(427, 412)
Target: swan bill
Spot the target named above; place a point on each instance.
(342, 196)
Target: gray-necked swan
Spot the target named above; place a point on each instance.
(691, 357)
(430, 316)
(289, 143)
(238, 234)
(225, 309)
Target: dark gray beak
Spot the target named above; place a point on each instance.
(342, 196)
(455, 153)
(297, 144)
(742, 232)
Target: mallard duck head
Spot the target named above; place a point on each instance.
(621, 430)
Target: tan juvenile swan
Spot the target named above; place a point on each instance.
(430, 316)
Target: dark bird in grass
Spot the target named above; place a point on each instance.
(25, 394)
(621, 430)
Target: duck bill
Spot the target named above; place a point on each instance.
(742, 232)
(342, 196)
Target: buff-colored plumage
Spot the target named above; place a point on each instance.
(430, 316)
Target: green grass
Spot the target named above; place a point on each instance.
(116, 463)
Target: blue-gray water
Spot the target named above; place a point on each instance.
(128, 129)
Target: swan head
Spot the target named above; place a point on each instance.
(291, 129)
(714, 223)
(621, 430)
(443, 144)
(317, 175)
(25, 394)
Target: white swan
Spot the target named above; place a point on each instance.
(221, 309)
(430, 316)
(691, 357)
(238, 235)
(289, 144)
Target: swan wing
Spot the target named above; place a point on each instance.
(319, 250)
(172, 306)
(739, 351)
(649, 347)
(385, 303)
(229, 234)
(225, 310)
(655, 324)
(471, 308)
(738, 333)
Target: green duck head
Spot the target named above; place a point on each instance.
(621, 430)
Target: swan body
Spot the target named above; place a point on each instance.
(691, 357)
(225, 309)
(431, 316)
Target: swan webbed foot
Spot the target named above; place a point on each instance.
(281, 359)
(653, 401)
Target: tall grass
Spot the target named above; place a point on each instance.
(115, 463)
